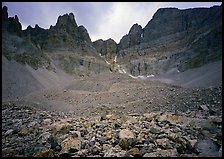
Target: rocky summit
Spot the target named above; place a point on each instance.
(156, 93)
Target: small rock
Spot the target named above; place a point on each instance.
(75, 134)
(109, 116)
(206, 146)
(164, 143)
(220, 151)
(53, 140)
(65, 154)
(126, 134)
(117, 125)
(23, 132)
(133, 152)
(215, 119)
(127, 143)
(83, 153)
(83, 132)
(69, 143)
(106, 147)
(163, 153)
(193, 142)
(148, 117)
(45, 153)
(90, 145)
(96, 150)
(9, 132)
(114, 152)
(188, 155)
(43, 137)
(47, 121)
(146, 149)
(204, 107)
(33, 123)
(155, 130)
(149, 155)
(109, 135)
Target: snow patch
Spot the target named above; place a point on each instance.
(120, 71)
(141, 77)
(148, 76)
(115, 59)
(107, 62)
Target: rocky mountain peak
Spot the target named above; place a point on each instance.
(29, 27)
(66, 19)
(164, 12)
(107, 48)
(4, 13)
(11, 24)
(37, 26)
(132, 38)
(135, 29)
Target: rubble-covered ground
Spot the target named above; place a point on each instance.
(117, 117)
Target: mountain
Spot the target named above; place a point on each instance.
(173, 41)
(65, 45)
(173, 38)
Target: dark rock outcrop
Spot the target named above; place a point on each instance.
(133, 38)
(107, 48)
(67, 35)
(11, 24)
(36, 35)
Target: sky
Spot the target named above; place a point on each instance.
(103, 20)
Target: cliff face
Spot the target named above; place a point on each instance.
(174, 38)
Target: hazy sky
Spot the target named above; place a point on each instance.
(103, 20)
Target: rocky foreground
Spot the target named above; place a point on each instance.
(29, 131)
